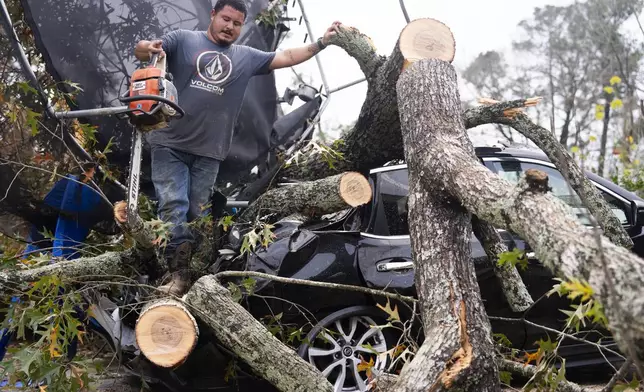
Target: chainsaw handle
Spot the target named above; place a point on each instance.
(153, 59)
(157, 98)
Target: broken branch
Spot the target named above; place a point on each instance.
(497, 112)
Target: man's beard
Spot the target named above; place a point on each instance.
(220, 39)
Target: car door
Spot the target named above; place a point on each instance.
(384, 251)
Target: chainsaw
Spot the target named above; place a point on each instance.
(151, 102)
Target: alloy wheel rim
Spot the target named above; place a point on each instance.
(342, 346)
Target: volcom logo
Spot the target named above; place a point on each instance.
(214, 67)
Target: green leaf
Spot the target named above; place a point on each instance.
(609, 90)
(251, 239)
(502, 340)
(546, 346)
(226, 222)
(28, 357)
(108, 147)
(32, 121)
(26, 88)
(630, 387)
(249, 284)
(505, 377)
(515, 257)
(574, 149)
(235, 292)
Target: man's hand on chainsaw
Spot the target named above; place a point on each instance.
(145, 49)
(156, 47)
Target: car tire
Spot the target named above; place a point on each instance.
(335, 346)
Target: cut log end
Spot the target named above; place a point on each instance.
(355, 189)
(426, 38)
(120, 212)
(166, 333)
(537, 180)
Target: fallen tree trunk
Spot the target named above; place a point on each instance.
(509, 113)
(107, 265)
(236, 329)
(319, 197)
(560, 242)
(375, 139)
(166, 333)
(458, 352)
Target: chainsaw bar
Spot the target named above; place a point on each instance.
(134, 179)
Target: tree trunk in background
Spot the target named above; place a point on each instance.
(604, 137)
(565, 129)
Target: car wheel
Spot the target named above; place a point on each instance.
(336, 346)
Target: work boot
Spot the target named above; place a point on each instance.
(179, 266)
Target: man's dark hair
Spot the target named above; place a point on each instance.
(239, 5)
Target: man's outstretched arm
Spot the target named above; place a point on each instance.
(294, 56)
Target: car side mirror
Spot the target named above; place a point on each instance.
(637, 214)
(639, 217)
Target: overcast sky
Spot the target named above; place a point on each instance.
(478, 26)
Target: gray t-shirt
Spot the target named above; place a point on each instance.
(211, 81)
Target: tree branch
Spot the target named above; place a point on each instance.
(335, 286)
(360, 47)
(523, 370)
(512, 285)
(240, 332)
(509, 113)
(621, 373)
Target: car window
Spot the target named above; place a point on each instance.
(390, 212)
(512, 170)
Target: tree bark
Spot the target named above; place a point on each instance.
(511, 283)
(560, 242)
(458, 350)
(375, 139)
(319, 197)
(236, 329)
(507, 113)
(86, 268)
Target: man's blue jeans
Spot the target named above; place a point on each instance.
(183, 183)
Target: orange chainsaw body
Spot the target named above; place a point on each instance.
(145, 81)
(151, 82)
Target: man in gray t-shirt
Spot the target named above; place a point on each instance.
(210, 74)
